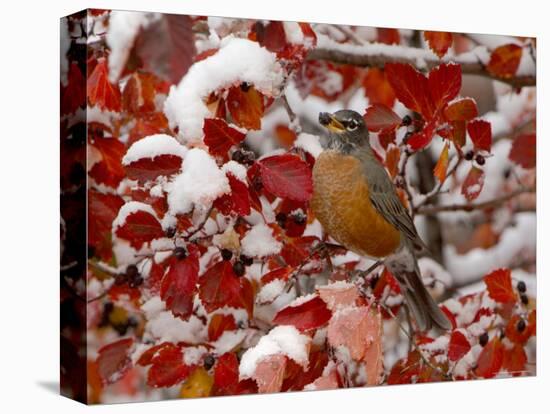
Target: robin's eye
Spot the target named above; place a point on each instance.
(352, 125)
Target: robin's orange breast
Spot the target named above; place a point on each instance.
(341, 203)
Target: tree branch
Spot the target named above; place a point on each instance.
(382, 54)
(427, 210)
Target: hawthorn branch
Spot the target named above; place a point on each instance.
(438, 188)
(362, 57)
(294, 121)
(496, 202)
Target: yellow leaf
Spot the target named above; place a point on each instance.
(440, 170)
(199, 384)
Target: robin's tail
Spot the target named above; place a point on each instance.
(419, 301)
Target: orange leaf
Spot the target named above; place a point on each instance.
(374, 358)
(440, 170)
(515, 360)
(461, 110)
(499, 286)
(505, 60)
(439, 42)
(246, 106)
(388, 36)
(377, 88)
(410, 87)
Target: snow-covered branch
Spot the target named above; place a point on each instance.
(376, 55)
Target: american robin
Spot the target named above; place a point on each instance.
(356, 201)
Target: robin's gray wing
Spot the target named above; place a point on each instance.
(385, 200)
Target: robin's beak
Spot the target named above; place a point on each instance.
(330, 122)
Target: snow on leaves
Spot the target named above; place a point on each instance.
(473, 183)
(137, 223)
(153, 156)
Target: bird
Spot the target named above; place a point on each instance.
(356, 202)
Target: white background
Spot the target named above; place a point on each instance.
(29, 91)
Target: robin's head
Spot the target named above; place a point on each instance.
(347, 129)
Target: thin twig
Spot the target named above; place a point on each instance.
(103, 267)
(349, 33)
(200, 226)
(496, 202)
(415, 346)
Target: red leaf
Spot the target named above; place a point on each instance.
(246, 106)
(515, 360)
(220, 137)
(219, 286)
(287, 176)
(271, 36)
(281, 273)
(381, 118)
(439, 42)
(387, 36)
(167, 46)
(139, 92)
(219, 323)
(422, 139)
(109, 170)
(102, 210)
(490, 360)
(100, 91)
(179, 285)
(269, 373)
(226, 371)
(139, 227)
(73, 96)
(461, 110)
(167, 368)
(377, 88)
(499, 286)
(473, 184)
(304, 316)
(114, 360)
(148, 169)
(410, 87)
(524, 150)
(296, 249)
(480, 134)
(444, 83)
(458, 346)
(237, 201)
(148, 124)
(505, 60)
